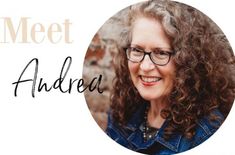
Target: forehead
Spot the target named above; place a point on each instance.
(149, 32)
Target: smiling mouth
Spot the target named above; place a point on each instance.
(148, 79)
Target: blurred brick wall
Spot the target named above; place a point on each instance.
(98, 60)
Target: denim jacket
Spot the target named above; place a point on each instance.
(131, 137)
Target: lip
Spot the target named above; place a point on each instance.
(149, 80)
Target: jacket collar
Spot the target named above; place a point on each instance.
(136, 135)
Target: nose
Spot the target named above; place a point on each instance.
(147, 64)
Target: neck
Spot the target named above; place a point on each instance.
(154, 113)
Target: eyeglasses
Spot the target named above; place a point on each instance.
(158, 56)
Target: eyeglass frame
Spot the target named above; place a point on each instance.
(149, 54)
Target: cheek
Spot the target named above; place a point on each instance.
(169, 73)
(133, 68)
(171, 78)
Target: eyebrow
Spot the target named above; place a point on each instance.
(155, 48)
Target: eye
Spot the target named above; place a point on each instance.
(135, 53)
(160, 54)
(135, 49)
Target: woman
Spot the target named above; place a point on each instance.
(174, 82)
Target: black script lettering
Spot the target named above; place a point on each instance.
(27, 80)
(94, 84)
(90, 86)
(58, 82)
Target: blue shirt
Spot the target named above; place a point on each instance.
(131, 135)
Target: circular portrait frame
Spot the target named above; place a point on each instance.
(202, 90)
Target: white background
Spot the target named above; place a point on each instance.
(60, 124)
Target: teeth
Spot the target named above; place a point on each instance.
(150, 79)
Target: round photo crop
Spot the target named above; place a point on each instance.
(167, 77)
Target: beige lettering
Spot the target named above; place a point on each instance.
(28, 32)
(54, 28)
(35, 32)
(66, 31)
(8, 24)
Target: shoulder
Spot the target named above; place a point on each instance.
(116, 132)
(205, 128)
(121, 134)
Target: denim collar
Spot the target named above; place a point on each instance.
(136, 135)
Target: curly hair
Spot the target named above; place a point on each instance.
(205, 68)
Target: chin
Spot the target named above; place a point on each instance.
(149, 97)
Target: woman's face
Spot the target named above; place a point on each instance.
(153, 82)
